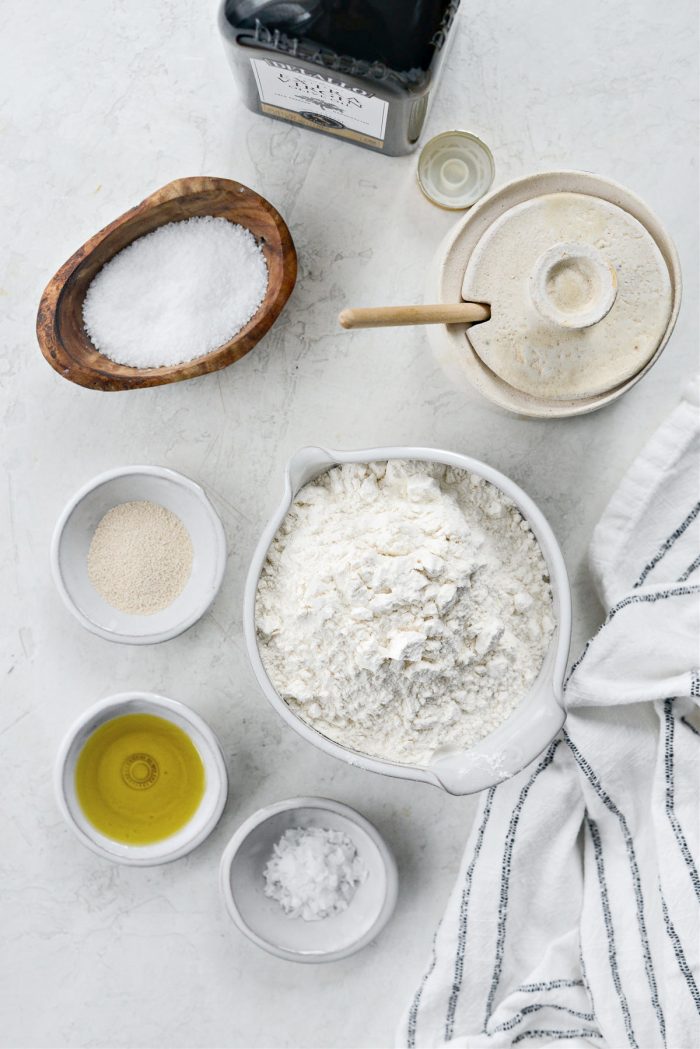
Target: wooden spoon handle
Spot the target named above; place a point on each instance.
(387, 316)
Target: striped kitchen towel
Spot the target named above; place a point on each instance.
(575, 917)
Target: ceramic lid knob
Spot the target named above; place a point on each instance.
(573, 285)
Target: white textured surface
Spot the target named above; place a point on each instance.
(107, 102)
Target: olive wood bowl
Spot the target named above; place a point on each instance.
(62, 337)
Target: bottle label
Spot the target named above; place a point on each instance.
(319, 101)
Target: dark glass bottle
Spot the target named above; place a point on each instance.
(363, 70)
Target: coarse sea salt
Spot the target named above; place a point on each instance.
(176, 294)
(313, 872)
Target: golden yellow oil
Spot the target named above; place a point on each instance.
(139, 778)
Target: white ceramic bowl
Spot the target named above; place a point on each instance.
(263, 920)
(73, 535)
(216, 780)
(450, 342)
(539, 715)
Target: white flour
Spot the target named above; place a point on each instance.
(404, 606)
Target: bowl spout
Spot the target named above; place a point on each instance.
(512, 747)
(306, 464)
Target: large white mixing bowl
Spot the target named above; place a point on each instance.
(539, 715)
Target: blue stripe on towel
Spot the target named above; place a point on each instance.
(636, 881)
(463, 918)
(548, 985)
(695, 685)
(678, 951)
(670, 811)
(413, 1014)
(667, 544)
(633, 599)
(692, 567)
(691, 727)
(610, 931)
(505, 877)
(582, 1032)
(508, 1025)
(583, 973)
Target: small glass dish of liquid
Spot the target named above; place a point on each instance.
(141, 779)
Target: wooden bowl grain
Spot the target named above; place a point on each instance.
(62, 337)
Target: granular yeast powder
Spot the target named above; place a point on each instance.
(140, 557)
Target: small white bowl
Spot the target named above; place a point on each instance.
(215, 790)
(75, 529)
(263, 920)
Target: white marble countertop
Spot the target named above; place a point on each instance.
(104, 102)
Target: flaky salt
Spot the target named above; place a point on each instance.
(179, 292)
(313, 872)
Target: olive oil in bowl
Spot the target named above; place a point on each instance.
(139, 779)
